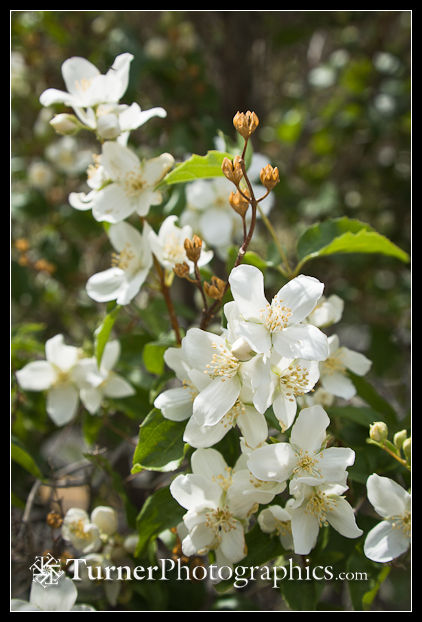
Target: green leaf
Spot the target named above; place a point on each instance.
(159, 512)
(362, 593)
(160, 446)
(20, 455)
(344, 235)
(197, 167)
(103, 331)
(153, 357)
(358, 414)
(368, 393)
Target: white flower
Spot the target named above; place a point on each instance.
(82, 533)
(168, 245)
(333, 371)
(279, 381)
(56, 375)
(86, 87)
(328, 311)
(116, 121)
(278, 324)
(88, 533)
(213, 357)
(132, 262)
(391, 537)
(218, 501)
(97, 383)
(275, 519)
(129, 187)
(305, 457)
(314, 507)
(59, 597)
(67, 157)
(177, 404)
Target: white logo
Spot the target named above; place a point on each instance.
(46, 570)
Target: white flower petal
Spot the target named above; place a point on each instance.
(301, 295)
(233, 545)
(387, 497)
(247, 287)
(253, 426)
(111, 204)
(105, 285)
(305, 530)
(342, 518)
(116, 386)
(338, 384)
(36, 376)
(59, 354)
(272, 462)
(355, 361)
(301, 341)
(309, 430)
(213, 402)
(383, 543)
(60, 597)
(195, 492)
(62, 403)
(197, 435)
(105, 518)
(209, 463)
(175, 404)
(285, 410)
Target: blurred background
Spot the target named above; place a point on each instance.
(332, 91)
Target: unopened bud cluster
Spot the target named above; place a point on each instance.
(269, 177)
(232, 169)
(238, 202)
(216, 289)
(193, 248)
(245, 123)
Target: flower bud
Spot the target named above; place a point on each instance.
(181, 270)
(66, 124)
(407, 449)
(378, 431)
(54, 520)
(242, 350)
(238, 202)
(399, 438)
(245, 123)
(269, 177)
(216, 289)
(193, 248)
(232, 169)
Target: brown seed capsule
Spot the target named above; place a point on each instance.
(238, 203)
(245, 123)
(54, 520)
(216, 289)
(269, 176)
(181, 270)
(232, 169)
(193, 248)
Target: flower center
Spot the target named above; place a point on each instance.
(295, 381)
(306, 463)
(333, 364)
(276, 316)
(319, 505)
(174, 251)
(220, 520)
(230, 418)
(403, 523)
(283, 527)
(224, 480)
(78, 529)
(223, 364)
(133, 183)
(123, 259)
(83, 84)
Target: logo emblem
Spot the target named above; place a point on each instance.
(46, 570)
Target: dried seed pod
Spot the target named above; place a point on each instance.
(232, 169)
(216, 288)
(193, 248)
(238, 203)
(245, 123)
(54, 520)
(269, 176)
(181, 270)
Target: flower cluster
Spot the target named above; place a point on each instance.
(269, 356)
(67, 376)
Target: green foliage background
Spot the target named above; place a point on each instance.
(332, 92)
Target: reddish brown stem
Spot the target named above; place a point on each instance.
(169, 303)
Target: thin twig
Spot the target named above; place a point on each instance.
(166, 294)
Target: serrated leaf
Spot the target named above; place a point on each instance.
(197, 167)
(103, 331)
(160, 446)
(344, 235)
